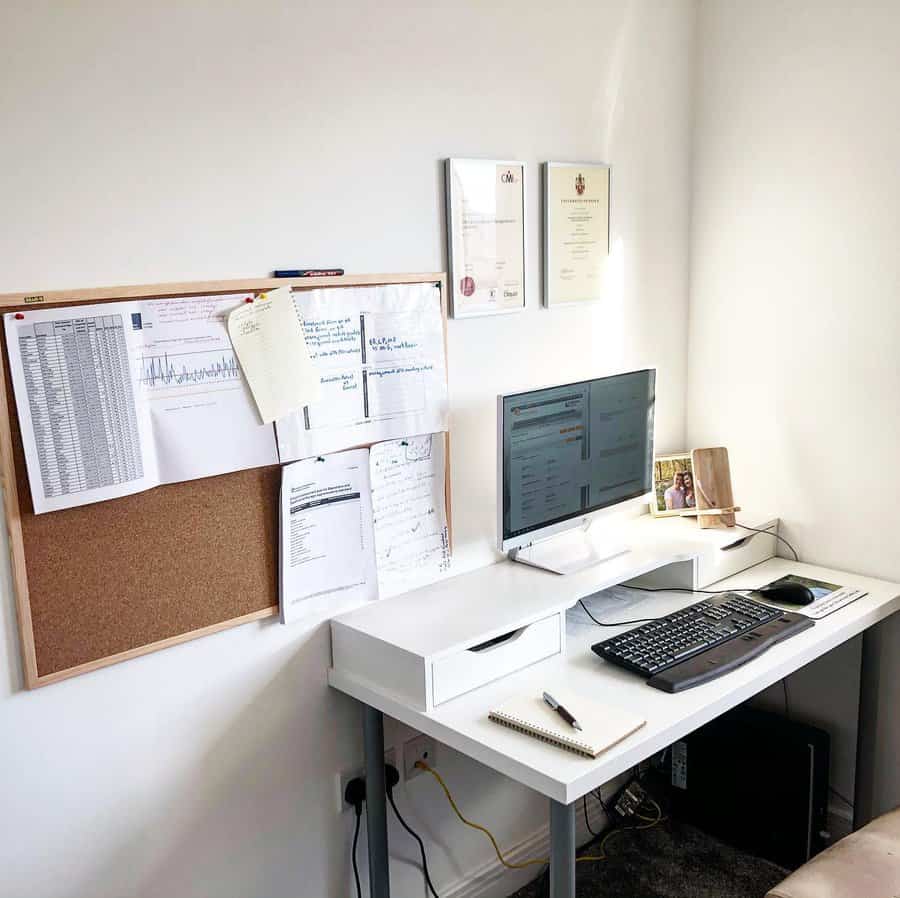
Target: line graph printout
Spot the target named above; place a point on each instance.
(116, 398)
(203, 416)
(412, 542)
(379, 353)
(207, 367)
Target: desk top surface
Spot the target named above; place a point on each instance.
(481, 598)
(463, 722)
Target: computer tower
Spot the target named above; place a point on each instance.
(757, 781)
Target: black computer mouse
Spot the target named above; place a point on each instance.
(788, 594)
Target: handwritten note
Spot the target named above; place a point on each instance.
(412, 544)
(379, 353)
(272, 351)
(332, 337)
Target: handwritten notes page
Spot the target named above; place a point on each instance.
(361, 525)
(379, 353)
(268, 339)
(412, 543)
(116, 398)
(327, 552)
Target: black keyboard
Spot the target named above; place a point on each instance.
(701, 642)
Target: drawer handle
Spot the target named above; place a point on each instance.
(498, 641)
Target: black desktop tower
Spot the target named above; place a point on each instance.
(757, 781)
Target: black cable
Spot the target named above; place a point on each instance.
(621, 623)
(415, 835)
(770, 533)
(647, 620)
(842, 798)
(355, 795)
(705, 592)
(355, 865)
(611, 818)
(708, 592)
(606, 810)
(587, 822)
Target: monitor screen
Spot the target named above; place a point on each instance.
(574, 449)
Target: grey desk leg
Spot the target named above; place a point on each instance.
(376, 804)
(562, 850)
(867, 728)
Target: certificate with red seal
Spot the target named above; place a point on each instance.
(486, 236)
(576, 231)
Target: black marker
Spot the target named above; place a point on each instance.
(308, 273)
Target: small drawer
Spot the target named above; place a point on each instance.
(752, 549)
(473, 667)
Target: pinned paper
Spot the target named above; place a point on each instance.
(380, 353)
(268, 338)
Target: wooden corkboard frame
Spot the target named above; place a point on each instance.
(103, 583)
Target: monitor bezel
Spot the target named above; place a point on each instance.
(580, 518)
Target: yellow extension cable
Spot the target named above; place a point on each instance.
(538, 860)
(648, 825)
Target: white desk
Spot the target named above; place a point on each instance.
(564, 778)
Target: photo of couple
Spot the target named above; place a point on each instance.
(681, 493)
(673, 484)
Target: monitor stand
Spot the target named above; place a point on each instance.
(568, 552)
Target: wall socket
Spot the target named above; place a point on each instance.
(419, 748)
(344, 777)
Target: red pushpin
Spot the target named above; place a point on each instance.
(249, 299)
(19, 316)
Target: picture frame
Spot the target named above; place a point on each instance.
(485, 236)
(669, 475)
(576, 226)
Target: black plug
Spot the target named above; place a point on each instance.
(391, 778)
(355, 794)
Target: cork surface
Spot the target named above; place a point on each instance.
(119, 575)
(138, 573)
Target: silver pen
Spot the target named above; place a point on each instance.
(566, 716)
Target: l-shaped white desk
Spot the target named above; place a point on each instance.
(391, 656)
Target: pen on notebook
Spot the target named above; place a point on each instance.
(566, 716)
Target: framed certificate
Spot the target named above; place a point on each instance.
(576, 231)
(486, 236)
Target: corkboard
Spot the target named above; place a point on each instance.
(110, 581)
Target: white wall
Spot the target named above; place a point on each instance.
(149, 142)
(795, 277)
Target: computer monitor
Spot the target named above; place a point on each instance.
(570, 451)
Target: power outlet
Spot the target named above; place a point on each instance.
(344, 777)
(419, 748)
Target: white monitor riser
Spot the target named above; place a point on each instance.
(571, 551)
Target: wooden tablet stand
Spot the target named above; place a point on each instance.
(712, 485)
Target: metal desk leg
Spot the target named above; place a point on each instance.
(562, 850)
(376, 804)
(864, 799)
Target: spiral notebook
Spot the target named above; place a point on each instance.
(603, 725)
